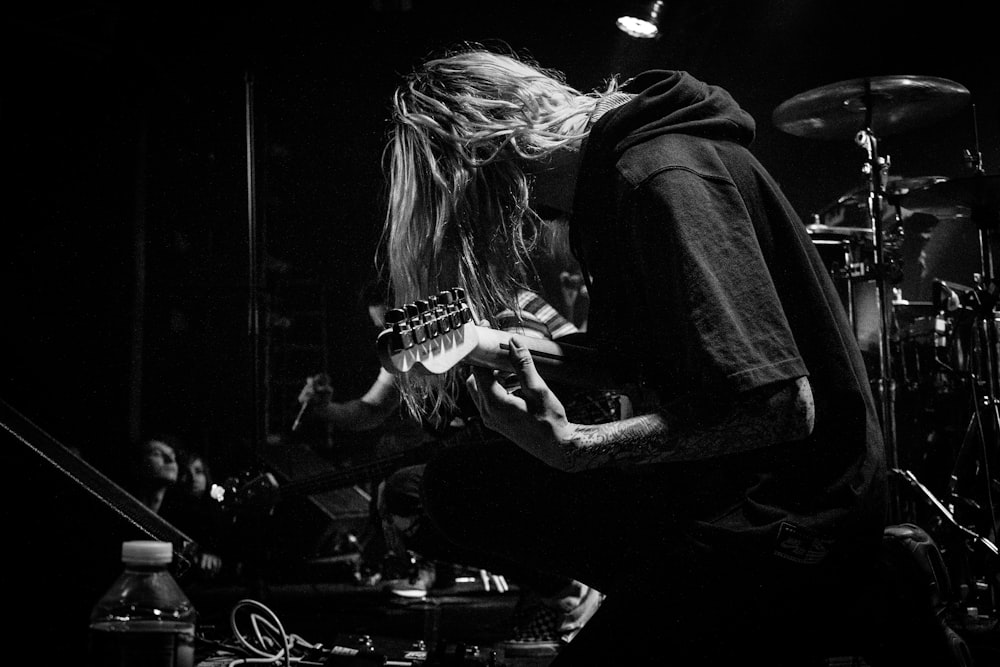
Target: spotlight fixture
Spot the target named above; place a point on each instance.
(644, 23)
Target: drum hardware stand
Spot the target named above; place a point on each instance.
(945, 513)
(974, 542)
(982, 301)
(876, 171)
(984, 423)
(837, 111)
(983, 374)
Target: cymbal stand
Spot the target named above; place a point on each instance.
(876, 170)
(984, 423)
(983, 427)
(986, 218)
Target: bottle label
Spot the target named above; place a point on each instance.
(141, 644)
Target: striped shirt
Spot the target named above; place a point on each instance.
(535, 317)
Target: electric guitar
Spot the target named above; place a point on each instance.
(433, 335)
(263, 489)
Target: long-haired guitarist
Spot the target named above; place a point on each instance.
(552, 608)
(748, 494)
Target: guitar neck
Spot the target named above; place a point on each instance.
(573, 365)
(265, 489)
(365, 472)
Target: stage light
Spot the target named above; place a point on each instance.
(644, 23)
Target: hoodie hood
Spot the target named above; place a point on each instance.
(667, 102)
(663, 102)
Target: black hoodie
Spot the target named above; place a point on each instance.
(705, 284)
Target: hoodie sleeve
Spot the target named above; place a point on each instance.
(706, 284)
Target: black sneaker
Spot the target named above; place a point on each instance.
(543, 625)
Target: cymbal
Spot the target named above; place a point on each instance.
(817, 229)
(976, 191)
(884, 104)
(897, 186)
(895, 189)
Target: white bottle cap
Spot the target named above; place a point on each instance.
(147, 552)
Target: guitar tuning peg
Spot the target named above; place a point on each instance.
(426, 317)
(452, 300)
(394, 316)
(441, 305)
(402, 335)
(464, 312)
(416, 323)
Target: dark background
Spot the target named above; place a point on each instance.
(157, 274)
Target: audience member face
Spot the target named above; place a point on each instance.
(197, 475)
(159, 462)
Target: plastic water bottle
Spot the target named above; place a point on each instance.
(144, 619)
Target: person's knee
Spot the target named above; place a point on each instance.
(480, 471)
(401, 493)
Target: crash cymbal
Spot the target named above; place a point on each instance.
(976, 191)
(886, 105)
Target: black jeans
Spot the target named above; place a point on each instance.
(668, 594)
(403, 496)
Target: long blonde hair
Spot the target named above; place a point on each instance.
(465, 127)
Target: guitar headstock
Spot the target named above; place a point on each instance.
(430, 335)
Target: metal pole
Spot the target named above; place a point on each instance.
(875, 169)
(254, 270)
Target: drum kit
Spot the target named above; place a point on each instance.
(913, 261)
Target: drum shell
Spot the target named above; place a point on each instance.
(848, 256)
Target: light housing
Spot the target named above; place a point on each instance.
(644, 22)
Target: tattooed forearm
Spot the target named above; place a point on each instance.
(759, 419)
(638, 439)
